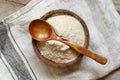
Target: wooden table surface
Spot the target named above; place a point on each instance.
(117, 4)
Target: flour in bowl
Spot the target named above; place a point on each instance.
(67, 27)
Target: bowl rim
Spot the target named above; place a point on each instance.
(86, 44)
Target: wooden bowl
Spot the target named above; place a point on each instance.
(55, 13)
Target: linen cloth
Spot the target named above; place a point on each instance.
(103, 23)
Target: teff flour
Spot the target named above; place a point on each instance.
(66, 27)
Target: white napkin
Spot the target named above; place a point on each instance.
(103, 24)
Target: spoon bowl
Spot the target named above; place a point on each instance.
(40, 30)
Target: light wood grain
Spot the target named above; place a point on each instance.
(117, 5)
(7, 8)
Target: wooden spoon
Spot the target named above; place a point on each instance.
(42, 31)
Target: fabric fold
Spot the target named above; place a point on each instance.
(102, 21)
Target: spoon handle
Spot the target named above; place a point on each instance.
(84, 51)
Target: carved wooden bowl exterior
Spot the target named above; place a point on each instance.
(55, 13)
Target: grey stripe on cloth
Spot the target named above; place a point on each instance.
(12, 56)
